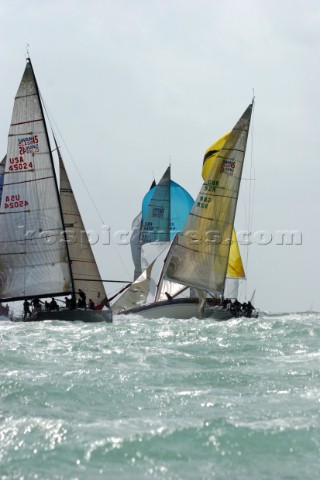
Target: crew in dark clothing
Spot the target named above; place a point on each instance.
(83, 299)
(36, 304)
(68, 302)
(73, 303)
(236, 308)
(91, 304)
(225, 302)
(249, 309)
(53, 305)
(46, 306)
(26, 309)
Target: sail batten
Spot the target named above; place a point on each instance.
(23, 123)
(28, 181)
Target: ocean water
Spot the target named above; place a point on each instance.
(161, 399)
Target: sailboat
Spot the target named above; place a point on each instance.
(198, 257)
(44, 250)
(165, 208)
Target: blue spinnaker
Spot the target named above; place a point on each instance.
(164, 210)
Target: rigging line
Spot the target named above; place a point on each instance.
(50, 118)
(251, 185)
(253, 173)
(251, 196)
(245, 199)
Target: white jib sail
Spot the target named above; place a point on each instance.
(84, 269)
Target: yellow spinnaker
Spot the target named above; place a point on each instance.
(235, 265)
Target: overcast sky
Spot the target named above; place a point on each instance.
(133, 85)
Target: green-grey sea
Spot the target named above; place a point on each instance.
(161, 399)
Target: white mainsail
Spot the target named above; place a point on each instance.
(199, 255)
(84, 269)
(33, 254)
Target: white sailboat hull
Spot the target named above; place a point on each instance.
(180, 308)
